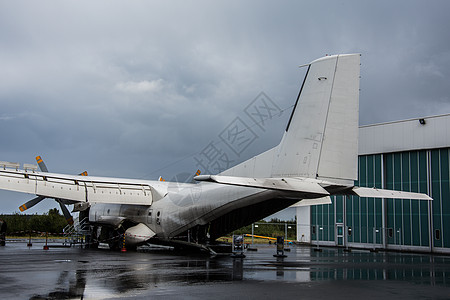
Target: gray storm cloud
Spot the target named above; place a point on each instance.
(135, 89)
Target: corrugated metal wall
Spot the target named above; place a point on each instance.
(390, 223)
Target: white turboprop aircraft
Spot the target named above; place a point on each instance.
(316, 158)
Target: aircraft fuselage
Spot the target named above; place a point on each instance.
(190, 212)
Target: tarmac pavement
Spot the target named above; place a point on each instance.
(74, 273)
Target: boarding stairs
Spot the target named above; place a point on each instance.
(76, 233)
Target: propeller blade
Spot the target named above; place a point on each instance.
(41, 164)
(66, 212)
(31, 203)
(43, 167)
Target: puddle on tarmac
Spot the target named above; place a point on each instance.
(77, 273)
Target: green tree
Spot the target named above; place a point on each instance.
(19, 224)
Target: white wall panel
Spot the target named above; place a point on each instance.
(405, 135)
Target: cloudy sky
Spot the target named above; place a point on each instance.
(139, 88)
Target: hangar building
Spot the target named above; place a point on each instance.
(411, 155)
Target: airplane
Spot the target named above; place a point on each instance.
(316, 158)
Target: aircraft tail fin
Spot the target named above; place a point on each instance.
(321, 138)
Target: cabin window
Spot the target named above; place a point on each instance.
(149, 217)
(158, 219)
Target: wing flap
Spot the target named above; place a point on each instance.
(16, 183)
(58, 188)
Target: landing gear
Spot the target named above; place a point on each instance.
(111, 237)
(92, 238)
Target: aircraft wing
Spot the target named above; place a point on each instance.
(76, 188)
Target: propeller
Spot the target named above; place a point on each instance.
(65, 211)
(38, 199)
(31, 203)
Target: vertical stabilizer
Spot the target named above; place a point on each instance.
(321, 139)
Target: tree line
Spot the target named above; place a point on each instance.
(53, 222)
(22, 225)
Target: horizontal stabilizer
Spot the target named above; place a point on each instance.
(302, 185)
(380, 193)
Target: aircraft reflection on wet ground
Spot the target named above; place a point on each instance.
(32, 273)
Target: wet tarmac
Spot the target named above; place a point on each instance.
(74, 273)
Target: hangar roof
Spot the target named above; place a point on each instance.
(413, 134)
